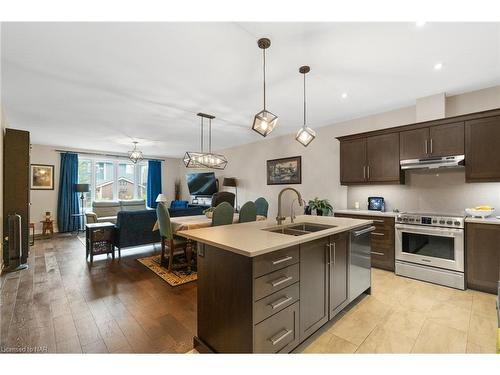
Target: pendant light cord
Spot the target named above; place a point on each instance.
(201, 134)
(209, 135)
(304, 100)
(264, 69)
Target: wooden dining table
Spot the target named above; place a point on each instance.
(196, 221)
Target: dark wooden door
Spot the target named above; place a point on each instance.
(16, 184)
(446, 140)
(338, 271)
(414, 144)
(313, 286)
(482, 159)
(483, 256)
(353, 161)
(383, 158)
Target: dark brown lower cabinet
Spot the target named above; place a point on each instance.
(483, 256)
(382, 240)
(338, 272)
(314, 285)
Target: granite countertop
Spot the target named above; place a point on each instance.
(354, 211)
(487, 220)
(250, 240)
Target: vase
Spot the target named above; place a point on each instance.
(319, 212)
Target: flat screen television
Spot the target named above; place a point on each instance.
(201, 184)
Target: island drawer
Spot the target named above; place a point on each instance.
(278, 332)
(276, 302)
(276, 260)
(274, 281)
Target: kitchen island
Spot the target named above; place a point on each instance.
(264, 288)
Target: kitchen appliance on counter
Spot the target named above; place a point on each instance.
(430, 247)
(360, 262)
(376, 204)
(455, 161)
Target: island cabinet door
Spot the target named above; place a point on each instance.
(338, 271)
(313, 286)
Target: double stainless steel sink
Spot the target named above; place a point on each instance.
(299, 229)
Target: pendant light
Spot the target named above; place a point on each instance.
(135, 155)
(264, 121)
(205, 159)
(305, 135)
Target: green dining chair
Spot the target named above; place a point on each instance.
(222, 214)
(262, 206)
(168, 240)
(248, 212)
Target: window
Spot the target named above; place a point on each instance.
(112, 179)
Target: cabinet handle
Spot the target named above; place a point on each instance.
(378, 234)
(426, 147)
(275, 340)
(368, 172)
(376, 253)
(285, 259)
(334, 253)
(364, 172)
(378, 221)
(431, 145)
(279, 303)
(281, 280)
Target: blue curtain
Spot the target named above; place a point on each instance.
(67, 204)
(154, 182)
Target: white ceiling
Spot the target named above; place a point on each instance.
(101, 85)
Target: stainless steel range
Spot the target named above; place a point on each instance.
(430, 247)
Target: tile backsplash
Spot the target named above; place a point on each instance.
(443, 190)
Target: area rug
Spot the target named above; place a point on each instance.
(176, 277)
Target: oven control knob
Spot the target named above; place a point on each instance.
(434, 221)
(457, 222)
(449, 222)
(441, 221)
(405, 219)
(412, 220)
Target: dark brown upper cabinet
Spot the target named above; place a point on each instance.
(434, 141)
(353, 161)
(414, 144)
(382, 153)
(370, 160)
(447, 140)
(482, 159)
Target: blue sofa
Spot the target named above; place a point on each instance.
(135, 228)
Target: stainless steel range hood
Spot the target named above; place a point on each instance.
(434, 163)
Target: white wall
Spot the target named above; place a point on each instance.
(46, 200)
(2, 126)
(320, 164)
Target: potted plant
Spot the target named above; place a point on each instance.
(322, 206)
(209, 212)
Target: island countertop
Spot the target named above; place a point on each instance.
(249, 239)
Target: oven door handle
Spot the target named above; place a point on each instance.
(451, 232)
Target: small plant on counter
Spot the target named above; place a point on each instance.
(209, 212)
(322, 206)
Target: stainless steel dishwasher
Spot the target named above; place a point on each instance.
(360, 262)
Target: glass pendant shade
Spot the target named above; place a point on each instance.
(305, 136)
(135, 155)
(264, 122)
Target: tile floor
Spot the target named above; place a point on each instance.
(409, 316)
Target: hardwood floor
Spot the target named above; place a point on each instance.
(59, 305)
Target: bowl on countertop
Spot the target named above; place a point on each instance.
(479, 213)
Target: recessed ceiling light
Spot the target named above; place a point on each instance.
(438, 66)
(344, 95)
(420, 23)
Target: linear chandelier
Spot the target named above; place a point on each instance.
(203, 159)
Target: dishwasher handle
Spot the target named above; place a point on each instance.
(363, 231)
